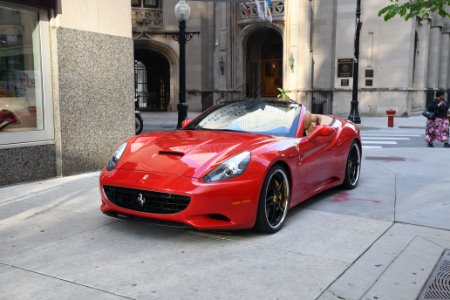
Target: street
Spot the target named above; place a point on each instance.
(162, 121)
(392, 138)
(381, 240)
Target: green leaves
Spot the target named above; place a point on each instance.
(282, 94)
(414, 8)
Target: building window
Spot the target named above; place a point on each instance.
(151, 3)
(25, 91)
(145, 3)
(140, 84)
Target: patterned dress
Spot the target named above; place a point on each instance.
(437, 129)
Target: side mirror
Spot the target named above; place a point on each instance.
(185, 123)
(322, 131)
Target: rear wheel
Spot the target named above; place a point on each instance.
(273, 201)
(353, 167)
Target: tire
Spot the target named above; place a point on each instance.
(138, 123)
(273, 201)
(352, 167)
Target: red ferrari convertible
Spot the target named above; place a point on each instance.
(240, 164)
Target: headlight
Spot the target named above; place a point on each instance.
(233, 167)
(116, 157)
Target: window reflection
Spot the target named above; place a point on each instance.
(20, 71)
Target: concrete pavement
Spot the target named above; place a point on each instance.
(378, 241)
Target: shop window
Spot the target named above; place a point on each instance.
(25, 91)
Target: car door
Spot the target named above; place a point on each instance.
(316, 152)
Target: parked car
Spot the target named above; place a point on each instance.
(238, 165)
(16, 114)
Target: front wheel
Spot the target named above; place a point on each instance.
(352, 167)
(273, 201)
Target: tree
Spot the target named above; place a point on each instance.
(414, 8)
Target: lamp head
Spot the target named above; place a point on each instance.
(182, 11)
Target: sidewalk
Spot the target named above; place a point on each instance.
(399, 122)
(378, 241)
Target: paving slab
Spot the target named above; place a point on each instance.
(422, 184)
(399, 261)
(36, 213)
(407, 274)
(38, 286)
(422, 201)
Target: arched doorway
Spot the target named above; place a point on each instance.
(264, 63)
(151, 80)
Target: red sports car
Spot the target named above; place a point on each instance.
(240, 164)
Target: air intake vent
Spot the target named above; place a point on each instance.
(146, 201)
(171, 153)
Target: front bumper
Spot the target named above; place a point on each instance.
(228, 204)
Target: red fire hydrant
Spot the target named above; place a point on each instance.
(390, 114)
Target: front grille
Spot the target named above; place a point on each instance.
(146, 201)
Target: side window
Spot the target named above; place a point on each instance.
(25, 91)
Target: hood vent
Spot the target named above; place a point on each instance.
(171, 153)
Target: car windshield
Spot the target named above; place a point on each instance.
(254, 116)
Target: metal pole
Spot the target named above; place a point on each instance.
(182, 106)
(354, 114)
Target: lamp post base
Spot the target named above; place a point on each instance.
(355, 119)
(182, 113)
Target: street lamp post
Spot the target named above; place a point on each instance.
(182, 12)
(354, 115)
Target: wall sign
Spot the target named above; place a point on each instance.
(345, 67)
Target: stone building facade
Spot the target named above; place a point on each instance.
(306, 50)
(66, 84)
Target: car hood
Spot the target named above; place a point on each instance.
(186, 152)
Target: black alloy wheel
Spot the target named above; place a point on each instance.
(353, 167)
(273, 201)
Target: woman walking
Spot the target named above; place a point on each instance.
(437, 128)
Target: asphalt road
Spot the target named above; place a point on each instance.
(393, 138)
